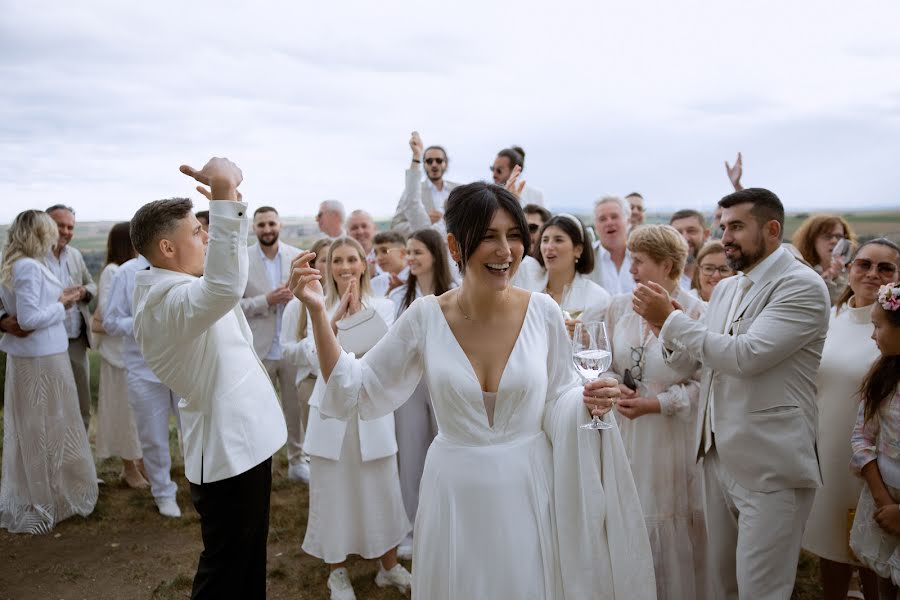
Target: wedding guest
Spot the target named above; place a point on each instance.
(875, 535)
(659, 406)
(422, 202)
(612, 262)
(712, 267)
(734, 176)
(116, 430)
(193, 334)
(415, 423)
(361, 227)
(636, 203)
(566, 260)
(536, 217)
(330, 219)
(847, 356)
(691, 224)
(390, 256)
(816, 238)
(559, 504)
(203, 217)
(355, 502)
(266, 294)
(294, 330)
(502, 170)
(759, 347)
(68, 265)
(48, 473)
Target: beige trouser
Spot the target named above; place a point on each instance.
(294, 403)
(754, 537)
(81, 369)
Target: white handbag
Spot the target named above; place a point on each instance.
(359, 332)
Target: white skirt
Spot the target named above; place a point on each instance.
(48, 472)
(116, 430)
(874, 547)
(355, 507)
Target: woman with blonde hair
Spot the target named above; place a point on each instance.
(48, 472)
(355, 503)
(659, 410)
(711, 269)
(816, 239)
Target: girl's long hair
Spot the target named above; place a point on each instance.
(440, 265)
(319, 247)
(882, 379)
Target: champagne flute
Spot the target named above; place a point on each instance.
(592, 354)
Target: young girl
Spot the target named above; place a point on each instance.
(875, 536)
(355, 505)
(429, 274)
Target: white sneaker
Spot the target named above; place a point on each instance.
(404, 550)
(299, 472)
(397, 577)
(168, 507)
(340, 586)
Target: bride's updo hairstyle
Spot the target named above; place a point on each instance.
(470, 209)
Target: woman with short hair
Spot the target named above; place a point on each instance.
(816, 239)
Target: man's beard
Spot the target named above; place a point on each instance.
(747, 259)
(268, 242)
(438, 178)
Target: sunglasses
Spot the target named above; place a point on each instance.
(883, 268)
(533, 227)
(438, 161)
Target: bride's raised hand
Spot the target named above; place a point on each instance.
(305, 284)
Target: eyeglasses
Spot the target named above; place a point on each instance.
(438, 161)
(832, 237)
(533, 228)
(724, 270)
(637, 357)
(865, 265)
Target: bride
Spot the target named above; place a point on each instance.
(516, 501)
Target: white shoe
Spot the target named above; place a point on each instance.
(340, 586)
(299, 472)
(397, 577)
(404, 550)
(168, 508)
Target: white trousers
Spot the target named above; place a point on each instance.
(151, 404)
(754, 537)
(294, 403)
(416, 428)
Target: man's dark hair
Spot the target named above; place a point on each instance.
(634, 195)
(202, 215)
(685, 213)
(470, 209)
(60, 207)
(537, 209)
(766, 205)
(263, 209)
(157, 219)
(436, 147)
(516, 156)
(389, 237)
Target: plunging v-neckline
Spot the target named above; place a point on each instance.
(472, 371)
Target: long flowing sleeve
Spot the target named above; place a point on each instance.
(294, 347)
(382, 380)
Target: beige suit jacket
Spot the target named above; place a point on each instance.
(760, 370)
(415, 203)
(260, 315)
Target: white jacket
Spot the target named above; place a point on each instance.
(34, 298)
(194, 336)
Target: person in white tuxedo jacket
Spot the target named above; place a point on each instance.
(263, 304)
(422, 204)
(193, 334)
(759, 348)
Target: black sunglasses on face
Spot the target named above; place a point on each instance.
(438, 161)
(533, 227)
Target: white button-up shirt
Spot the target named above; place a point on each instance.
(273, 273)
(613, 280)
(60, 268)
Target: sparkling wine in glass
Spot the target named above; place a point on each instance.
(592, 354)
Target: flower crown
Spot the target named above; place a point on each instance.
(889, 297)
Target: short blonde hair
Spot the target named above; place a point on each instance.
(31, 235)
(331, 292)
(660, 242)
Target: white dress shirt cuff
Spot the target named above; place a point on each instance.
(228, 208)
(669, 345)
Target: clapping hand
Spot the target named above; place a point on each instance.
(735, 172)
(513, 184)
(280, 295)
(652, 302)
(221, 175)
(305, 284)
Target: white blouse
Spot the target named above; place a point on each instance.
(33, 296)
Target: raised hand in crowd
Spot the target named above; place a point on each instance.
(280, 295)
(305, 282)
(735, 172)
(415, 144)
(513, 184)
(221, 175)
(10, 324)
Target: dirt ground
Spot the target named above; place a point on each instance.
(126, 550)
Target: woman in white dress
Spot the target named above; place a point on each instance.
(48, 473)
(355, 504)
(659, 407)
(847, 356)
(516, 501)
(429, 274)
(116, 429)
(566, 259)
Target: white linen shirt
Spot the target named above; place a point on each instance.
(273, 273)
(60, 268)
(615, 281)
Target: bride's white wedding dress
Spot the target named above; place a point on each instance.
(529, 508)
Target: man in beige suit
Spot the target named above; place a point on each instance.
(759, 349)
(263, 305)
(422, 203)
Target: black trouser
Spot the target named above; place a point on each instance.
(234, 522)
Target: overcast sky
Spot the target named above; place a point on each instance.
(101, 101)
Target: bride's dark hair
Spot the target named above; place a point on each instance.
(470, 209)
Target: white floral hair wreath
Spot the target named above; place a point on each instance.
(889, 297)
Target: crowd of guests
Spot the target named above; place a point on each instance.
(840, 372)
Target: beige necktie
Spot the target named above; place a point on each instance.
(743, 284)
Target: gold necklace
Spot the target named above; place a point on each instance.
(467, 317)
